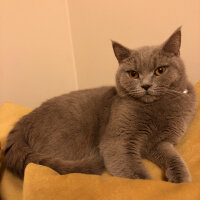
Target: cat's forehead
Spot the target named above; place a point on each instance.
(145, 52)
(145, 57)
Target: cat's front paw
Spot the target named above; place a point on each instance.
(178, 177)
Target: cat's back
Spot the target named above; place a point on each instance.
(80, 102)
(68, 121)
(75, 107)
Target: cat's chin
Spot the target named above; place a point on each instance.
(148, 98)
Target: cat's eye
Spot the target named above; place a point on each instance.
(133, 74)
(160, 70)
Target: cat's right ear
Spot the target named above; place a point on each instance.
(120, 51)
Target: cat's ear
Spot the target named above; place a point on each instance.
(173, 44)
(120, 51)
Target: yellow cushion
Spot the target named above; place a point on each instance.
(11, 186)
(41, 182)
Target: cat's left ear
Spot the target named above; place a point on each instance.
(120, 51)
(173, 44)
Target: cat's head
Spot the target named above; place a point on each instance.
(148, 73)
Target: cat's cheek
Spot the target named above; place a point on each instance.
(128, 84)
(172, 76)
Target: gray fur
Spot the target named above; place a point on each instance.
(112, 128)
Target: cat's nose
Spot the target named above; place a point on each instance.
(146, 86)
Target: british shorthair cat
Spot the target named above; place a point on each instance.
(114, 128)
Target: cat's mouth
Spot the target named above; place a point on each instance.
(148, 97)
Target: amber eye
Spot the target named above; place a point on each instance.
(133, 74)
(160, 70)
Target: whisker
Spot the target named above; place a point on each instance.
(168, 91)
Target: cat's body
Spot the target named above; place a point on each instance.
(67, 127)
(112, 128)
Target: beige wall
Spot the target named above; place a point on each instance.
(133, 23)
(38, 59)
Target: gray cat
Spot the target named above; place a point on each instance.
(113, 128)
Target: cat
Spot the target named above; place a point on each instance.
(113, 128)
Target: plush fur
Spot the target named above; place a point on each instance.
(113, 128)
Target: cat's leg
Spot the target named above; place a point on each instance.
(165, 156)
(121, 162)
